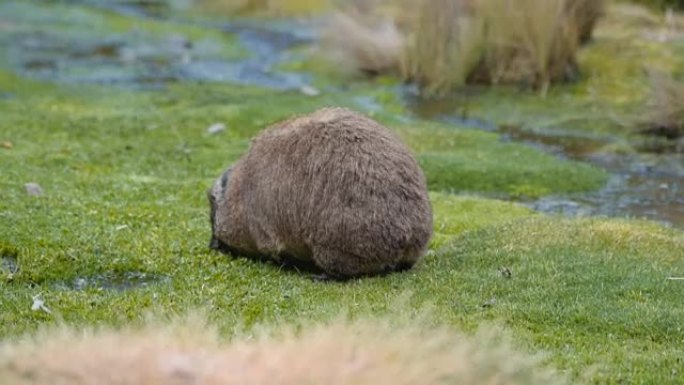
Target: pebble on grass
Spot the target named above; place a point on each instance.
(309, 91)
(33, 189)
(216, 128)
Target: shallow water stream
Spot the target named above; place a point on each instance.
(641, 185)
(143, 59)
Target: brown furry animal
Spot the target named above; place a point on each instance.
(333, 188)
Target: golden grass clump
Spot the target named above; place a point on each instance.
(449, 43)
(361, 353)
(665, 106)
(528, 41)
(364, 42)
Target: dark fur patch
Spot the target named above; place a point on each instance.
(224, 179)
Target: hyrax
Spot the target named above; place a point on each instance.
(334, 189)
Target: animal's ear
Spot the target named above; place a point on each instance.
(225, 178)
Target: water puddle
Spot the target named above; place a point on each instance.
(268, 48)
(144, 60)
(368, 104)
(8, 259)
(642, 185)
(562, 143)
(115, 282)
(9, 263)
(453, 109)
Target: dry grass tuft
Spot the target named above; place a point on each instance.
(449, 43)
(446, 46)
(365, 42)
(665, 107)
(528, 41)
(340, 353)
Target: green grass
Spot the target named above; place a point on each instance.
(594, 292)
(455, 214)
(456, 160)
(124, 175)
(110, 157)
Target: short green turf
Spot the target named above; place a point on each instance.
(124, 174)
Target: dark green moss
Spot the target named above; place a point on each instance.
(466, 160)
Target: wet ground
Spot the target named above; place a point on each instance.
(142, 59)
(642, 185)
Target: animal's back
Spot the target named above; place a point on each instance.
(340, 188)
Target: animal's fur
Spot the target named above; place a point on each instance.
(362, 353)
(334, 188)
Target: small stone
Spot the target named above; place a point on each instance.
(7, 145)
(489, 304)
(309, 91)
(33, 189)
(664, 186)
(216, 128)
(39, 304)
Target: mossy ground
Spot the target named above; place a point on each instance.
(124, 174)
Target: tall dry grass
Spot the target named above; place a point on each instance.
(361, 353)
(363, 40)
(445, 44)
(528, 41)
